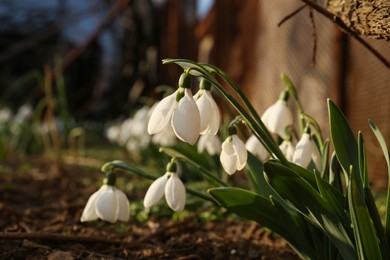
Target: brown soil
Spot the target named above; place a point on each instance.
(41, 202)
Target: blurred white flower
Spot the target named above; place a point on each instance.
(210, 117)
(166, 137)
(108, 204)
(181, 110)
(5, 115)
(306, 150)
(25, 113)
(212, 144)
(234, 154)
(170, 185)
(254, 146)
(277, 117)
(287, 149)
(112, 133)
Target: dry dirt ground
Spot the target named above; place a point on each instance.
(41, 202)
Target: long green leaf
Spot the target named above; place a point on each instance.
(383, 145)
(344, 142)
(305, 198)
(260, 209)
(365, 236)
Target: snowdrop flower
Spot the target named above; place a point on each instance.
(5, 115)
(108, 204)
(210, 117)
(170, 185)
(181, 110)
(234, 155)
(211, 143)
(278, 116)
(112, 133)
(287, 149)
(254, 146)
(25, 112)
(306, 150)
(166, 137)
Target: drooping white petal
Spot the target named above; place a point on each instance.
(228, 157)
(277, 117)
(162, 114)
(254, 146)
(89, 212)
(241, 152)
(175, 193)
(303, 151)
(211, 143)
(215, 119)
(213, 146)
(123, 206)
(155, 191)
(186, 119)
(107, 205)
(287, 149)
(205, 110)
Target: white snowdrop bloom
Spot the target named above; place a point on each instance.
(287, 149)
(278, 116)
(5, 115)
(108, 204)
(125, 132)
(234, 154)
(254, 146)
(210, 116)
(162, 113)
(186, 119)
(181, 110)
(170, 185)
(112, 133)
(25, 113)
(210, 143)
(305, 151)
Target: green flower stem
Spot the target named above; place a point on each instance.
(317, 130)
(111, 166)
(179, 156)
(290, 87)
(254, 122)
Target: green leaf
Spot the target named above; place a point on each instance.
(383, 145)
(344, 142)
(260, 209)
(365, 236)
(255, 173)
(305, 198)
(362, 160)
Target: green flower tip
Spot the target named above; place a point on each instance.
(179, 95)
(284, 95)
(171, 167)
(232, 130)
(204, 84)
(185, 80)
(110, 179)
(307, 130)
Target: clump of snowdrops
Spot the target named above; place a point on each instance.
(320, 203)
